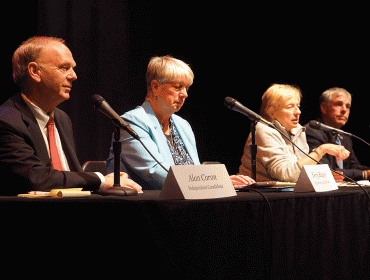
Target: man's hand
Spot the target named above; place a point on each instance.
(124, 181)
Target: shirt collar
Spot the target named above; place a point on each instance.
(41, 116)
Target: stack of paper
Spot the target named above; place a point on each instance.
(76, 192)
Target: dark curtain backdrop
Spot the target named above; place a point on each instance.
(235, 50)
(98, 34)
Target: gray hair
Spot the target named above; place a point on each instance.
(328, 94)
(167, 68)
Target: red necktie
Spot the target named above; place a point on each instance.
(54, 155)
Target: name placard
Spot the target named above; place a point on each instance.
(197, 182)
(315, 178)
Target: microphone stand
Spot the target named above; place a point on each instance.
(117, 146)
(117, 189)
(253, 150)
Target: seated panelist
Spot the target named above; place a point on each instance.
(335, 106)
(168, 136)
(277, 159)
(37, 151)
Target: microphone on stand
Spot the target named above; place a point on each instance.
(232, 104)
(103, 106)
(319, 125)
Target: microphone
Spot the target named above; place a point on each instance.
(319, 125)
(232, 104)
(103, 106)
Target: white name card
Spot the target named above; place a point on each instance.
(315, 178)
(197, 182)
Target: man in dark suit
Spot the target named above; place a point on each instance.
(335, 105)
(43, 67)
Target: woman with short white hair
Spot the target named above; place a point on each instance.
(168, 136)
(277, 159)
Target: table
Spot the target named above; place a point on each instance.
(311, 235)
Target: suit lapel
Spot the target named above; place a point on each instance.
(34, 129)
(159, 137)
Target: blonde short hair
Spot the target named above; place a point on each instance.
(167, 69)
(27, 52)
(276, 96)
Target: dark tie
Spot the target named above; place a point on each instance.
(54, 155)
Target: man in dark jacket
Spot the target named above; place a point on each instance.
(35, 154)
(335, 105)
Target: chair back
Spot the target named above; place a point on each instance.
(95, 166)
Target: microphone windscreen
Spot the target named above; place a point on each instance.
(314, 124)
(229, 102)
(97, 100)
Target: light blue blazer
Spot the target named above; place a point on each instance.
(136, 161)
